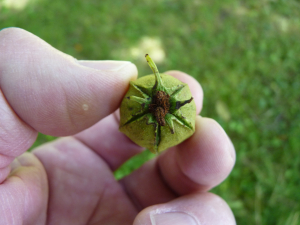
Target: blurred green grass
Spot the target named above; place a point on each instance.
(245, 54)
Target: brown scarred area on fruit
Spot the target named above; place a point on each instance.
(160, 107)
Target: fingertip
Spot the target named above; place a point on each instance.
(201, 162)
(208, 128)
(208, 156)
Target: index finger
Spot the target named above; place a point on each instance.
(45, 90)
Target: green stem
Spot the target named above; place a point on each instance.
(158, 81)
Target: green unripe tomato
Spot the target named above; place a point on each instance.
(158, 111)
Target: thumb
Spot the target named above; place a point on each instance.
(53, 92)
(194, 209)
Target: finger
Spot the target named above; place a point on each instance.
(108, 142)
(194, 209)
(24, 194)
(15, 136)
(198, 164)
(53, 92)
(102, 136)
(83, 189)
(146, 186)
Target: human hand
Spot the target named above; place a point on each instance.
(70, 180)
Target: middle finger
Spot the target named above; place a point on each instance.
(198, 164)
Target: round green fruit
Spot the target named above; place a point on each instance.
(158, 111)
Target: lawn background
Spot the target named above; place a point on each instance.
(245, 54)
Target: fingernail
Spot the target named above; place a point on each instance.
(173, 218)
(127, 71)
(116, 66)
(110, 65)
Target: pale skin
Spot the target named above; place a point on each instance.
(70, 180)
